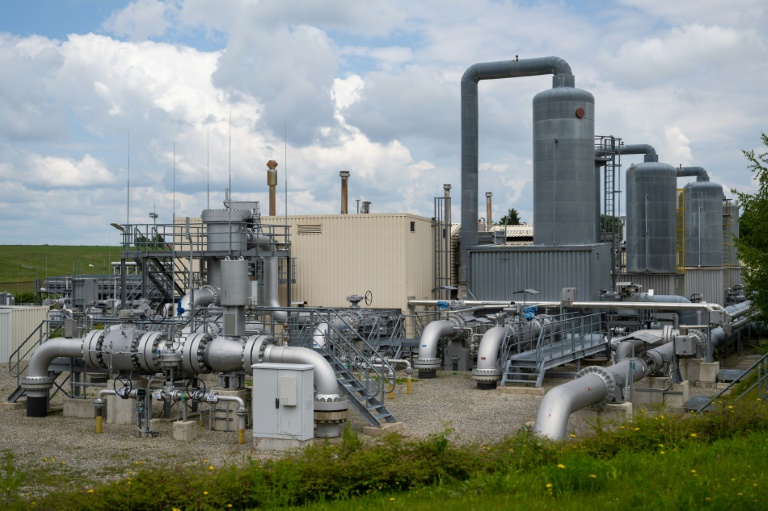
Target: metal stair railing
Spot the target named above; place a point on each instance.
(347, 359)
(761, 384)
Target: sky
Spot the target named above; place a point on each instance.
(181, 97)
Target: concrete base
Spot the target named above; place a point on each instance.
(122, 411)
(82, 408)
(279, 444)
(18, 405)
(530, 391)
(185, 431)
(708, 372)
(223, 417)
(677, 397)
(385, 429)
(689, 369)
(660, 390)
(154, 424)
(583, 420)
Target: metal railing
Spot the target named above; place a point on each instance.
(761, 383)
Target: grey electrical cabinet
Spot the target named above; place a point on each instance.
(283, 405)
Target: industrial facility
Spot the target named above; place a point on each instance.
(283, 326)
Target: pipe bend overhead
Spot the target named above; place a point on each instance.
(430, 337)
(326, 385)
(700, 173)
(516, 68)
(43, 356)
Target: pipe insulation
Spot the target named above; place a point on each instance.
(595, 386)
(469, 131)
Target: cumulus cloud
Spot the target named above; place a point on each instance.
(677, 147)
(140, 20)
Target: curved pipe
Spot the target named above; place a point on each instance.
(326, 385)
(432, 333)
(645, 149)
(559, 403)
(699, 172)
(487, 370)
(37, 371)
(202, 297)
(469, 130)
(629, 348)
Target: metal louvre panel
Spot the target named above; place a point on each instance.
(707, 282)
(703, 224)
(16, 323)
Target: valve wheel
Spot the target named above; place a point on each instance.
(196, 389)
(126, 386)
(368, 298)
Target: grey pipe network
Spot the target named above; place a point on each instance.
(126, 348)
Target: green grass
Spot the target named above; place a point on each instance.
(61, 260)
(717, 460)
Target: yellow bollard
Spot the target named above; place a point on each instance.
(98, 424)
(240, 436)
(392, 393)
(409, 386)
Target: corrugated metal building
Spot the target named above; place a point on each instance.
(711, 283)
(391, 255)
(496, 272)
(16, 323)
(660, 283)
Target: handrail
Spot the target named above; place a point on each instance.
(761, 366)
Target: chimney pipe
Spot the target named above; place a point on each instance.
(447, 205)
(366, 207)
(344, 178)
(489, 209)
(272, 183)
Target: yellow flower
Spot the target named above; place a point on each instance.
(210, 467)
(707, 499)
(549, 485)
(391, 499)
(573, 435)
(560, 465)
(693, 435)
(45, 459)
(205, 493)
(730, 407)
(662, 452)
(229, 505)
(741, 494)
(90, 491)
(636, 429)
(693, 471)
(661, 417)
(592, 476)
(661, 445)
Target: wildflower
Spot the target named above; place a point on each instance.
(661, 445)
(90, 491)
(730, 407)
(741, 494)
(635, 429)
(592, 476)
(205, 493)
(229, 505)
(560, 465)
(662, 452)
(693, 471)
(661, 417)
(205, 461)
(549, 485)
(391, 499)
(707, 499)
(573, 435)
(693, 435)
(45, 459)
(210, 467)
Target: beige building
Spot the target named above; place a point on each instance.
(390, 255)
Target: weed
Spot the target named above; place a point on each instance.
(11, 480)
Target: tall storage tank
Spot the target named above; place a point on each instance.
(564, 210)
(703, 224)
(651, 218)
(731, 214)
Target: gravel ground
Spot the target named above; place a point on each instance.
(69, 445)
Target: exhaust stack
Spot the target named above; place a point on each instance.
(488, 210)
(344, 174)
(272, 183)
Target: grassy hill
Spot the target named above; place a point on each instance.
(53, 260)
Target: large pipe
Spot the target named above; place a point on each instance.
(596, 385)
(344, 174)
(326, 385)
(427, 363)
(700, 173)
(645, 149)
(469, 131)
(203, 296)
(37, 382)
(486, 374)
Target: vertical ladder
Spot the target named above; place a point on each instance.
(680, 231)
(442, 242)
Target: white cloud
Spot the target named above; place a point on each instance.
(141, 20)
(347, 91)
(677, 148)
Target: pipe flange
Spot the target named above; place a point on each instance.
(429, 364)
(193, 353)
(37, 383)
(486, 375)
(253, 350)
(331, 405)
(610, 383)
(92, 349)
(213, 291)
(701, 342)
(134, 352)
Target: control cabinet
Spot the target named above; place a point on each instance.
(283, 405)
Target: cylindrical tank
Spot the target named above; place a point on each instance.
(235, 287)
(226, 229)
(731, 215)
(651, 218)
(703, 224)
(564, 167)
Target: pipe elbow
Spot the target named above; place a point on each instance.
(428, 343)
(326, 385)
(37, 371)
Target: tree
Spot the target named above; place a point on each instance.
(752, 243)
(610, 224)
(511, 218)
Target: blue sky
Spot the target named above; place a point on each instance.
(370, 87)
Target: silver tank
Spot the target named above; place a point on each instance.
(703, 224)
(226, 229)
(564, 167)
(731, 215)
(651, 218)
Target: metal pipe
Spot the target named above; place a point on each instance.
(459, 303)
(344, 174)
(596, 385)
(326, 385)
(647, 150)
(37, 382)
(488, 210)
(700, 173)
(200, 297)
(241, 413)
(427, 363)
(272, 183)
(469, 131)
(487, 372)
